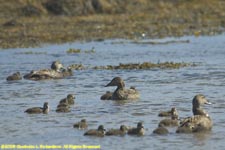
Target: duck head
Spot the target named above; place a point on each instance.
(199, 100)
(83, 120)
(57, 66)
(140, 125)
(70, 96)
(45, 107)
(101, 129)
(117, 81)
(123, 128)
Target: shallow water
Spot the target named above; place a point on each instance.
(159, 89)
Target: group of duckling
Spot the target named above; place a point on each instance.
(199, 122)
(101, 131)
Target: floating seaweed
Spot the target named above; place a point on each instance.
(77, 67)
(74, 51)
(146, 65)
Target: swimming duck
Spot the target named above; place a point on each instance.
(137, 131)
(38, 110)
(121, 131)
(121, 93)
(69, 99)
(200, 122)
(57, 71)
(13, 77)
(168, 113)
(100, 132)
(161, 130)
(81, 125)
(173, 121)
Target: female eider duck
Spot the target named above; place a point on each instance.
(200, 122)
(121, 93)
(38, 110)
(57, 71)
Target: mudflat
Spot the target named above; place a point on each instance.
(32, 23)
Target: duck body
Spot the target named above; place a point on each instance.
(200, 122)
(38, 110)
(167, 113)
(121, 132)
(139, 130)
(100, 132)
(81, 125)
(161, 130)
(14, 77)
(169, 122)
(56, 72)
(197, 123)
(121, 93)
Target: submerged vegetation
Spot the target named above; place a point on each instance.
(27, 23)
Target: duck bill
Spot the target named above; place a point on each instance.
(208, 103)
(109, 84)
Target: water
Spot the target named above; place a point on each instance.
(159, 89)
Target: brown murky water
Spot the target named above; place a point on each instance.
(159, 89)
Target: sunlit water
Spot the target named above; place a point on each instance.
(159, 89)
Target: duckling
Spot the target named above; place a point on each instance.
(100, 132)
(63, 108)
(13, 77)
(137, 131)
(122, 131)
(199, 122)
(81, 125)
(170, 122)
(69, 99)
(121, 93)
(167, 113)
(161, 130)
(38, 110)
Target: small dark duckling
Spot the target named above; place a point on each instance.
(81, 125)
(69, 99)
(13, 77)
(63, 108)
(170, 122)
(107, 96)
(167, 113)
(161, 130)
(137, 131)
(122, 131)
(100, 132)
(38, 110)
